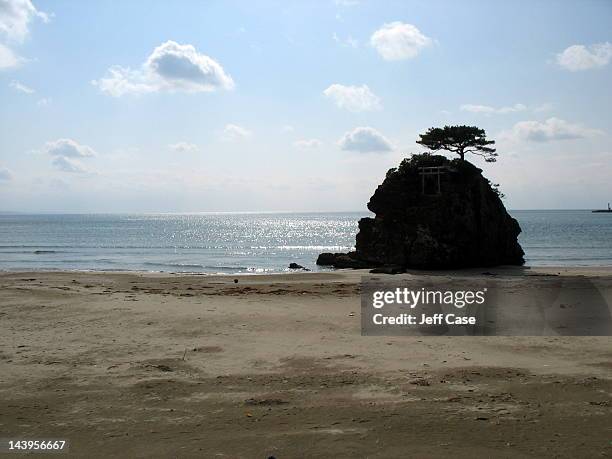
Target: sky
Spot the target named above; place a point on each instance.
(198, 106)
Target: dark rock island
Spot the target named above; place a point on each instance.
(433, 213)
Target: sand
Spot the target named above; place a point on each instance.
(165, 365)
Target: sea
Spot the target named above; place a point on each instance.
(236, 243)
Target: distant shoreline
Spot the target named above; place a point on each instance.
(249, 212)
(603, 270)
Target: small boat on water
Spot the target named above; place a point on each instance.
(603, 210)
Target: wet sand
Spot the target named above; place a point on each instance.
(161, 365)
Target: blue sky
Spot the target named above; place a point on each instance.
(303, 106)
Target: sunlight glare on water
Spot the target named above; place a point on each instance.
(253, 243)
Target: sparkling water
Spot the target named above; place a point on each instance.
(253, 242)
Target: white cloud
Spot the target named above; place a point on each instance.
(65, 151)
(364, 140)
(17, 86)
(68, 148)
(184, 147)
(233, 132)
(5, 174)
(183, 68)
(68, 165)
(353, 98)
(8, 59)
(306, 144)
(580, 57)
(486, 109)
(15, 17)
(288, 128)
(396, 41)
(120, 81)
(171, 67)
(549, 130)
(44, 102)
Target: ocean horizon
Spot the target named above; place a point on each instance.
(252, 242)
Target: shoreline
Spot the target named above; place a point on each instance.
(506, 270)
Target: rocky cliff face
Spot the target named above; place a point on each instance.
(434, 213)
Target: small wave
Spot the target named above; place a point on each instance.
(77, 262)
(565, 247)
(560, 259)
(50, 248)
(260, 270)
(35, 252)
(109, 246)
(227, 267)
(331, 248)
(185, 267)
(174, 265)
(193, 266)
(24, 246)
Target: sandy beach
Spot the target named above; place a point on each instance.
(163, 365)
